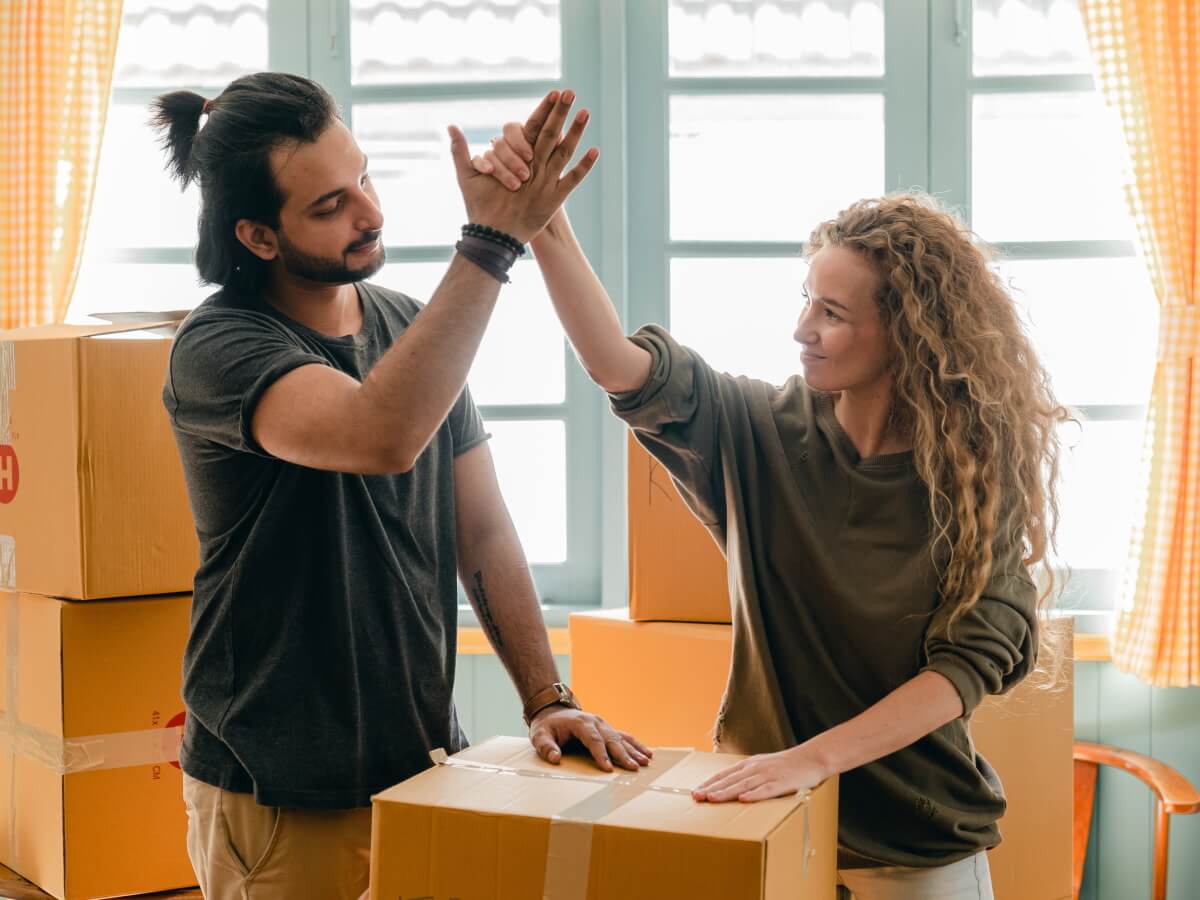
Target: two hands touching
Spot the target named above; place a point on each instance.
(519, 186)
(523, 207)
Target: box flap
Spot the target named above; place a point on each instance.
(143, 316)
(61, 331)
(505, 776)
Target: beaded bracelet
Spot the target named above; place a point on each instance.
(494, 235)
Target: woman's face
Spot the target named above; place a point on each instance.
(840, 330)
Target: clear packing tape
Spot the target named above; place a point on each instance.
(568, 855)
(66, 755)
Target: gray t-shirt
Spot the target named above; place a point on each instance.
(320, 664)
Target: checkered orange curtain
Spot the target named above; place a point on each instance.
(56, 64)
(1148, 56)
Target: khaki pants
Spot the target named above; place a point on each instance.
(243, 851)
(967, 879)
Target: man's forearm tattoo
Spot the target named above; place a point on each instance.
(485, 612)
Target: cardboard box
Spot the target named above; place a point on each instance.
(92, 497)
(91, 801)
(676, 570)
(496, 823)
(663, 682)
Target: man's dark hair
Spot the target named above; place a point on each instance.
(230, 158)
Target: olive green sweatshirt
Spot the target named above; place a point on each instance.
(833, 594)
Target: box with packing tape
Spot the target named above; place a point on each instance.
(495, 822)
(92, 496)
(676, 570)
(91, 798)
(1026, 735)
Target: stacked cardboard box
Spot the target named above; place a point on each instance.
(673, 651)
(97, 552)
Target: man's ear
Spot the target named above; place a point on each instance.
(259, 239)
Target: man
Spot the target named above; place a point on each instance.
(340, 478)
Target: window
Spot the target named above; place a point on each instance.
(401, 72)
(1040, 170)
(142, 230)
(728, 128)
(755, 120)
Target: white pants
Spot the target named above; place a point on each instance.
(967, 879)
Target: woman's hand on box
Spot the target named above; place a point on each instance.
(763, 777)
(556, 725)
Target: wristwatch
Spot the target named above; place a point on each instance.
(558, 693)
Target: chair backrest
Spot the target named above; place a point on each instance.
(1173, 795)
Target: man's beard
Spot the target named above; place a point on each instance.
(325, 270)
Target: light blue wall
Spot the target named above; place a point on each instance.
(1110, 707)
(1114, 708)
(487, 702)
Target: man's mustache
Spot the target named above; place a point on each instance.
(368, 238)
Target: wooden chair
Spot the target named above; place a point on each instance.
(1173, 794)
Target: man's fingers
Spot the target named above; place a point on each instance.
(514, 136)
(460, 153)
(641, 748)
(547, 138)
(572, 179)
(566, 149)
(482, 165)
(545, 745)
(618, 751)
(537, 121)
(631, 748)
(591, 738)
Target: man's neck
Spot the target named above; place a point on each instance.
(331, 309)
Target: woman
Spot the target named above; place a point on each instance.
(879, 515)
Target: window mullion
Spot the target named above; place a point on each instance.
(287, 38)
(328, 50)
(950, 105)
(906, 89)
(646, 27)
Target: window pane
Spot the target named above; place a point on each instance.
(1029, 37)
(829, 152)
(1099, 493)
(804, 38)
(421, 41)
(740, 314)
(1047, 167)
(1095, 325)
(531, 464)
(120, 287)
(411, 165)
(136, 202)
(171, 43)
(522, 356)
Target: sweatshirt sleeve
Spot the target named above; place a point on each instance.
(677, 416)
(994, 645)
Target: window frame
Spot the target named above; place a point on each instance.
(575, 583)
(928, 85)
(614, 53)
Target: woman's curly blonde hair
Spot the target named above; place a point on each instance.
(969, 392)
